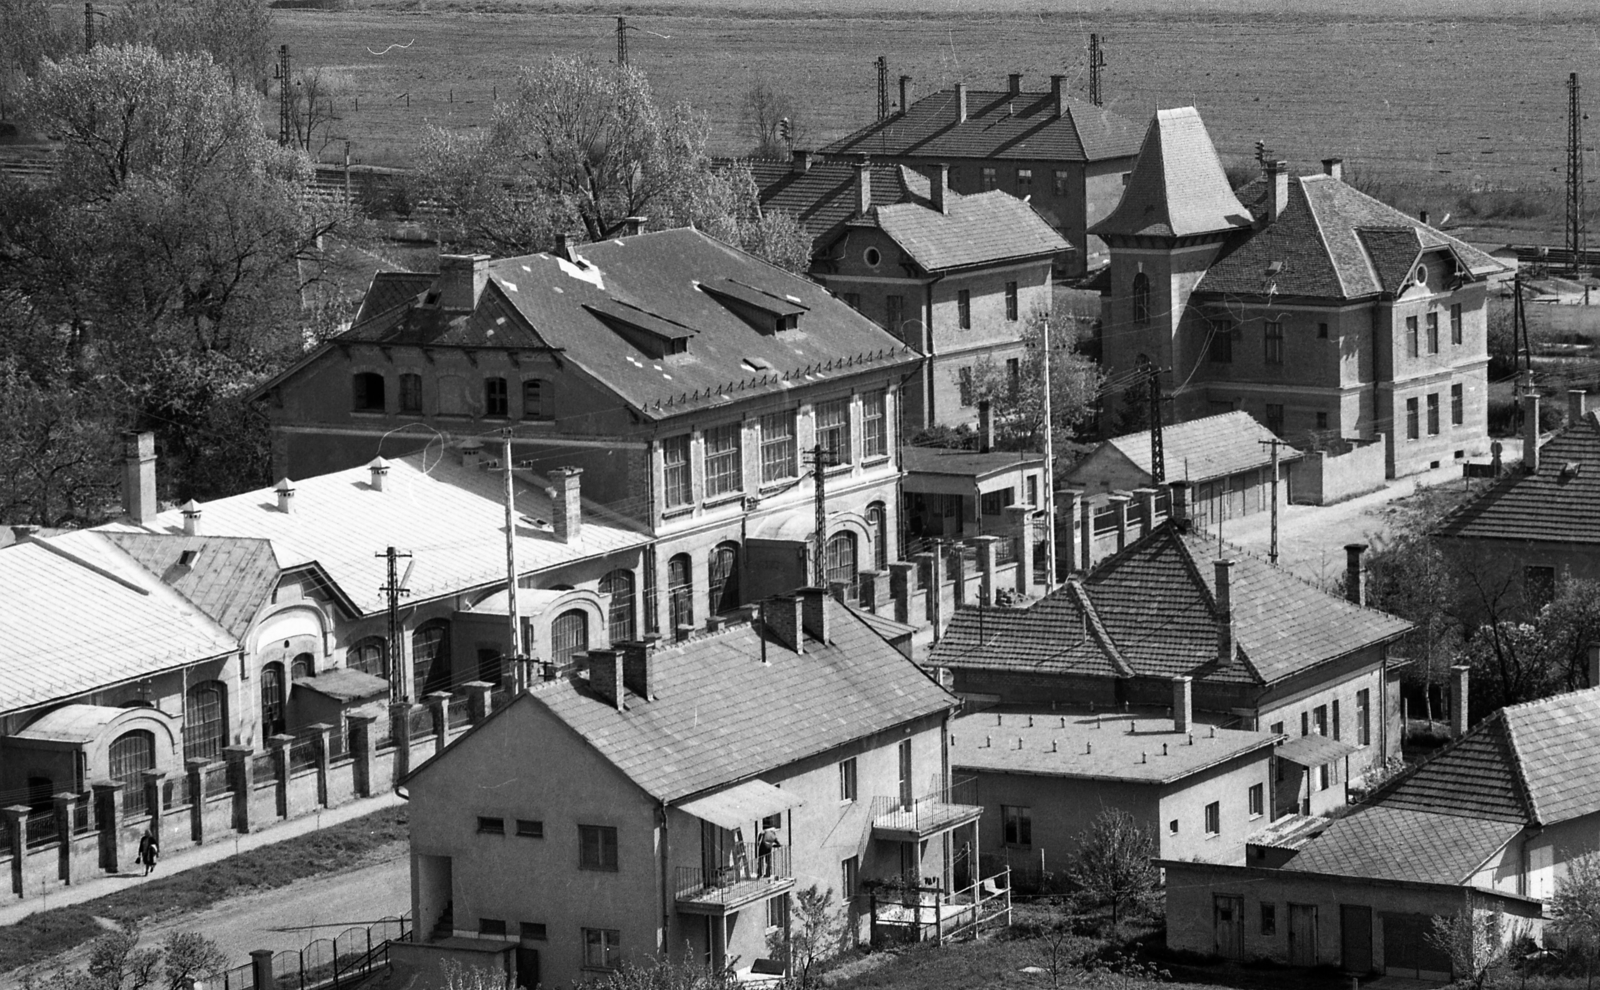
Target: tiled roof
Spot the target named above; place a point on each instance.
(1476, 776)
(964, 463)
(979, 229)
(823, 196)
(1289, 832)
(998, 126)
(1203, 449)
(1390, 843)
(1558, 753)
(80, 614)
(1177, 187)
(720, 715)
(227, 578)
(1152, 607)
(1103, 747)
(539, 300)
(1554, 503)
(390, 289)
(1315, 750)
(451, 517)
(1330, 241)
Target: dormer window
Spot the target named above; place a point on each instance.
(765, 311)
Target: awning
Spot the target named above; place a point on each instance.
(741, 806)
(345, 684)
(1314, 751)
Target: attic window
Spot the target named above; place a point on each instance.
(1420, 276)
(1275, 268)
(431, 298)
(764, 311)
(756, 364)
(186, 559)
(1570, 470)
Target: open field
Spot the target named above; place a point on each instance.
(1456, 92)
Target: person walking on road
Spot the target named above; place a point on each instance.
(149, 850)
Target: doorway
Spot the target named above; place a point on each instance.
(1355, 938)
(1302, 934)
(527, 968)
(1227, 912)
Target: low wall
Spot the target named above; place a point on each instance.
(1321, 478)
(302, 794)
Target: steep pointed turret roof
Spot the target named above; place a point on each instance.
(1177, 187)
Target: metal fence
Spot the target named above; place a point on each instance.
(335, 962)
(216, 780)
(499, 698)
(302, 754)
(421, 722)
(80, 813)
(175, 792)
(339, 743)
(1005, 551)
(263, 767)
(41, 827)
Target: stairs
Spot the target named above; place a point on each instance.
(446, 925)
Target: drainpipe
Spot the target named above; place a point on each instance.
(667, 893)
(928, 417)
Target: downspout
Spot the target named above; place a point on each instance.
(928, 418)
(1377, 377)
(666, 890)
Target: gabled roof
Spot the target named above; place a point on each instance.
(1152, 609)
(1203, 449)
(1390, 843)
(1177, 187)
(823, 195)
(389, 290)
(999, 125)
(1475, 777)
(960, 463)
(720, 715)
(1556, 503)
(227, 578)
(982, 228)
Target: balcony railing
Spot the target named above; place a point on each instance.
(743, 876)
(940, 809)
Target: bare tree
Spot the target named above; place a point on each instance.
(770, 120)
(1474, 938)
(117, 963)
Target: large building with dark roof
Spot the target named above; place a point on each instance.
(1065, 156)
(1330, 316)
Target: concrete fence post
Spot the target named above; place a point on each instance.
(17, 829)
(875, 591)
(478, 702)
(319, 741)
(1147, 509)
(988, 561)
(63, 808)
(196, 771)
(439, 705)
(241, 780)
(1085, 533)
(108, 821)
(261, 969)
(902, 586)
(154, 802)
(400, 736)
(361, 751)
(1120, 503)
(1022, 532)
(280, 744)
(958, 576)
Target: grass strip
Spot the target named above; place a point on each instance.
(44, 935)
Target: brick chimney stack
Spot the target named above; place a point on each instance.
(814, 612)
(139, 476)
(781, 617)
(1277, 189)
(566, 508)
(961, 103)
(800, 161)
(605, 677)
(1577, 404)
(1057, 98)
(905, 93)
(1458, 700)
(461, 280)
(1014, 84)
(638, 667)
(939, 188)
(1225, 644)
(1182, 703)
(863, 186)
(1333, 167)
(1355, 582)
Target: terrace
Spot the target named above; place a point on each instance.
(741, 876)
(903, 818)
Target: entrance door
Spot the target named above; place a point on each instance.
(527, 968)
(1228, 922)
(1355, 938)
(1302, 934)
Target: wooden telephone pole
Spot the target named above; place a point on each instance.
(821, 458)
(1272, 552)
(399, 672)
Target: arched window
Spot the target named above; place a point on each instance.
(366, 391)
(535, 399)
(841, 558)
(367, 656)
(722, 579)
(619, 617)
(680, 592)
(569, 636)
(430, 658)
(205, 721)
(878, 526)
(304, 665)
(1141, 299)
(132, 753)
(272, 698)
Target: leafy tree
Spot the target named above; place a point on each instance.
(761, 118)
(1410, 577)
(1017, 403)
(819, 932)
(55, 448)
(1113, 865)
(237, 34)
(117, 963)
(1575, 913)
(1475, 939)
(30, 33)
(1516, 659)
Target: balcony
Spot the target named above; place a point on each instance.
(743, 878)
(897, 819)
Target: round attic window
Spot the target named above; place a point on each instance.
(1420, 276)
(872, 257)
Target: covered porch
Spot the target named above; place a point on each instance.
(928, 884)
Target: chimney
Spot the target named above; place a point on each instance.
(1355, 583)
(863, 186)
(1333, 167)
(985, 426)
(23, 531)
(461, 280)
(631, 226)
(566, 508)
(1014, 84)
(814, 612)
(905, 93)
(1277, 189)
(191, 518)
(961, 103)
(1057, 98)
(563, 249)
(1458, 700)
(1594, 664)
(1577, 404)
(472, 455)
(638, 667)
(139, 476)
(1178, 504)
(1530, 430)
(1422, 215)
(605, 677)
(285, 490)
(800, 161)
(1496, 464)
(939, 186)
(1224, 614)
(1182, 703)
(781, 616)
(380, 471)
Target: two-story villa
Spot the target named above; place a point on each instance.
(1323, 312)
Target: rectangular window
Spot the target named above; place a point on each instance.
(894, 314)
(529, 829)
(410, 393)
(1033, 491)
(964, 308)
(1220, 348)
(1274, 338)
(601, 948)
(495, 398)
(1322, 331)
(491, 826)
(833, 429)
(1322, 421)
(1011, 300)
(724, 465)
(1411, 336)
(777, 447)
(1319, 720)
(964, 386)
(1305, 723)
(677, 477)
(1363, 717)
(1013, 377)
(1172, 826)
(1257, 800)
(597, 847)
(1269, 918)
(849, 872)
(1062, 182)
(1024, 181)
(989, 177)
(1277, 728)
(1458, 406)
(1433, 414)
(491, 926)
(1335, 720)
(847, 779)
(994, 503)
(1433, 332)
(1324, 777)
(1275, 417)
(1017, 820)
(534, 931)
(1214, 818)
(777, 911)
(1413, 420)
(874, 424)
(1455, 324)
(905, 773)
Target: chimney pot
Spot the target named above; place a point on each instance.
(1014, 84)
(985, 427)
(191, 518)
(800, 160)
(1422, 215)
(380, 471)
(462, 278)
(1458, 700)
(814, 613)
(285, 490)
(566, 504)
(939, 187)
(1577, 404)
(1333, 167)
(631, 226)
(1057, 97)
(23, 531)
(1225, 644)
(1355, 583)
(863, 186)
(139, 476)
(1530, 428)
(472, 455)
(961, 103)
(563, 248)
(1182, 703)
(905, 93)
(1178, 504)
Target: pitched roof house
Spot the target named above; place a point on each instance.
(1300, 299)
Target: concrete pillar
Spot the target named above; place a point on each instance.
(902, 589)
(153, 803)
(1021, 528)
(361, 751)
(241, 780)
(1085, 534)
(279, 744)
(108, 820)
(1147, 509)
(319, 740)
(195, 770)
(438, 703)
(875, 591)
(958, 577)
(478, 701)
(988, 560)
(63, 808)
(400, 737)
(261, 969)
(16, 828)
(929, 573)
(1458, 700)
(1120, 503)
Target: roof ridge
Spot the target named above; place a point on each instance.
(1097, 628)
(1520, 771)
(1187, 556)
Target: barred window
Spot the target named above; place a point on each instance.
(874, 424)
(619, 616)
(724, 467)
(1274, 340)
(367, 656)
(677, 476)
(833, 428)
(205, 721)
(777, 447)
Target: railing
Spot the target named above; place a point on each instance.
(913, 913)
(41, 827)
(338, 743)
(216, 780)
(1005, 552)
(1104, 520)
(740, 864)
(175, 792)
(421, 722)
(263, 767)
(326, 962)
(80, 814)
(302, 754)
(499, 698)
(928, 811)
(460, 713)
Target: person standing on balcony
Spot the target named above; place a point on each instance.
(769, 841)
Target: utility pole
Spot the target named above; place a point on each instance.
(285, 109)
(399, 677)
(1577, 232)
(821, 458)
(883, 87)
(622, 41)
(1049, 474)
(1158, 450)
(1097, 62)
(1519, 324)
(514, 632)
(88, 27)
(1272, 552)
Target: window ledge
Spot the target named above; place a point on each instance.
(724, 499)
(778, 487)
(677, 512)
(370, 413)
(838, 469)
(878, 461)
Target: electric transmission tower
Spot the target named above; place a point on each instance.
(1097, 61)
(1577, 229)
